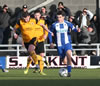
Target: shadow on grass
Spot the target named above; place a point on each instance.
(68, 82)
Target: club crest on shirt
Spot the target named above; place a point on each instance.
(32, 23)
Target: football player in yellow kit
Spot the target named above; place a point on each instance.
(31, 34)
(40, 46)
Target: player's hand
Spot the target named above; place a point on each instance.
(79, 30)
(52, 34)
(45, 36)
(51, 45)
(42, 25)
(15, 36)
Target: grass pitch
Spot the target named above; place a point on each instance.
(80, 77)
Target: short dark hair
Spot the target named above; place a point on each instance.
(60, 3)
(4, 6)
(84, 9)
(61, 13)
(25, 14)
(37, 11)
(43, 7)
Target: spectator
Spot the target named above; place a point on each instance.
(44, 13)
(0, 8)
(45, 16)
(18, 40)
(61, 7)
(84, 22)
(86, 36)
(85, 17)
(94, 38)
(24, 9)
(94, 24)
(4, 25)
(73, 34)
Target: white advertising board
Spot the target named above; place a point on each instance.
(54, 61)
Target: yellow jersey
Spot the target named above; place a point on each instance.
(29, 30)
(41, 30)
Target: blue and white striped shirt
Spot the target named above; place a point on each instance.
(61, 32)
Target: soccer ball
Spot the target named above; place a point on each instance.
(63, 72)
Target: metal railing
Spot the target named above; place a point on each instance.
(11, 49)
(17, 48)
(96, 45)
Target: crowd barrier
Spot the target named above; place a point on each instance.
(18, 48)
(54, 61)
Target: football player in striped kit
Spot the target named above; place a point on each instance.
(61, 30)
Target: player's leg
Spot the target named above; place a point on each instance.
(2, 64)
(65, 60)
(30, 46)
(41, 64)
(61, 54)
(41, 67)
(37, 52)
(44, 59)
(69, 67)
(37, 68)
(29, 61)
(69, 55)
(65, 56)
(37, 60)
(40, 51)
(31, 50)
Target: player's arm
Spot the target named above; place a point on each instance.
(73, 27)
(46, 28)
(50, 36)
(14, 29)
(46, 32)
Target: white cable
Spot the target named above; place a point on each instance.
(42, 4)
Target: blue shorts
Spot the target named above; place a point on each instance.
(63, 49)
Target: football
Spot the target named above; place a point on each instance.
(63, 72)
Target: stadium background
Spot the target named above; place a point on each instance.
(81, 77)
(73, 5)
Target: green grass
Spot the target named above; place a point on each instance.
(80, 77)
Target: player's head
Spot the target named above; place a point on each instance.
(60, 16)
(26, 17)
(37, 14)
